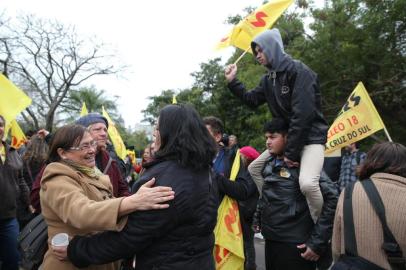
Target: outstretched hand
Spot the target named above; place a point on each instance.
(148, 197)
(230, 72)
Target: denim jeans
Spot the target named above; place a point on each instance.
(9, 255)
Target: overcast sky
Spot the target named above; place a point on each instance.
(162, 41)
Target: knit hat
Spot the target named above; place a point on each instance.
(92, 118)
(249, 152)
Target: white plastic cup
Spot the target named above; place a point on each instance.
(60, 240)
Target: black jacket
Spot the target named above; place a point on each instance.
(283, 214)
(243, 189)
(179, 237)
(13, 188)
(294, 95)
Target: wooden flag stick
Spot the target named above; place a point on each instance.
(241, 56)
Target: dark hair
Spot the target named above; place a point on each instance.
(184, 137)
(66, 137)
(276, 125)
(4, 120)
(387, 157)
(37, 150)
(215, 124)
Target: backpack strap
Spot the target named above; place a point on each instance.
(108, 165)
(350, 242)
(390, 245)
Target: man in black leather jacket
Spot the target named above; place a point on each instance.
(292, 92)
(293, 241)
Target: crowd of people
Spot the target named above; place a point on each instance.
(348, 217)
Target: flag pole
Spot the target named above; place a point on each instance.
(387, 134)
(241, 56)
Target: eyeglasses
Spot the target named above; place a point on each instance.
(85, 146)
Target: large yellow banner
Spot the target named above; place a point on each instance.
(12, 99)
(262, 18)
(357, 120)
(115, 137)
(229, 247)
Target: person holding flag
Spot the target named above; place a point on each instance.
(235, 182)
(292, 92)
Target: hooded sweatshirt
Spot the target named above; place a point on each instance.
(270, 41)
(292, 92)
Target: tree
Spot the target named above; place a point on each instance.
(362, 41)
(349, 41)
(94, 100)
(47, 60)
(151, 113)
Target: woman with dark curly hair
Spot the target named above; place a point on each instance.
(385, 165)
(181, 236)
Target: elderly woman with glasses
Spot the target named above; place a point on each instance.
(77, 199)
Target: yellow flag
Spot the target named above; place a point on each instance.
(84, 111)
(115, 137)
(17, 135)
(261, 19)
(229, 247)
(174, 101)
(357, 120)
(131, 153)
(12, 99)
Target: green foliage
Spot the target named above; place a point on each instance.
(157, 103)
(137, 139)
(349, 41)
(94, 100)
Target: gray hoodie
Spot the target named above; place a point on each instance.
(270, 41)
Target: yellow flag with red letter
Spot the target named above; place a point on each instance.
(17, 135)
(84, 111)
(12, 99)
(229, 247)
(357, 120)
(115, 137)
(261, 19)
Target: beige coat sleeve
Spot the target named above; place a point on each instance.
(67, 199)
(256, 167)
(337, 241)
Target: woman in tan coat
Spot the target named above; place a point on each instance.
(385, 165)
(76, 198)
